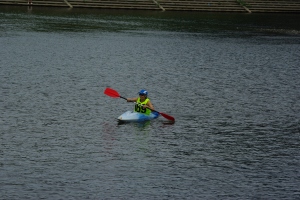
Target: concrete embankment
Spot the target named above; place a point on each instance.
(254, 6)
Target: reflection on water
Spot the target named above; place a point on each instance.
(230, 80)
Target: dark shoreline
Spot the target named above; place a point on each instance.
(236, 6)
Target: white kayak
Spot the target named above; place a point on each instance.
(131, 116)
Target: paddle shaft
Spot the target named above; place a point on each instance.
(123, 98)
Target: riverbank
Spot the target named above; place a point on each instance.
(250, 6)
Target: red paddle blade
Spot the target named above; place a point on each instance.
(167, 116)
(112, 93)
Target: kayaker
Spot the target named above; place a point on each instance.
(143, 103)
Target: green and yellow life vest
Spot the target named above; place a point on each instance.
(139, 106)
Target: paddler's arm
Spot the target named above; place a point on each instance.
(132, 99)
(149, 105)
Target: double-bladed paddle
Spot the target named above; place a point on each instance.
(114, 94)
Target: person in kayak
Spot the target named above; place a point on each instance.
(143, 103)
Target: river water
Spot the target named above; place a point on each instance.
(231, 81)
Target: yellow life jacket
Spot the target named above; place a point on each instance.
(139, 106)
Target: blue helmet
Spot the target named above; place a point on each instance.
(143, 92)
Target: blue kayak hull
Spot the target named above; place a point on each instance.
(131, 116)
